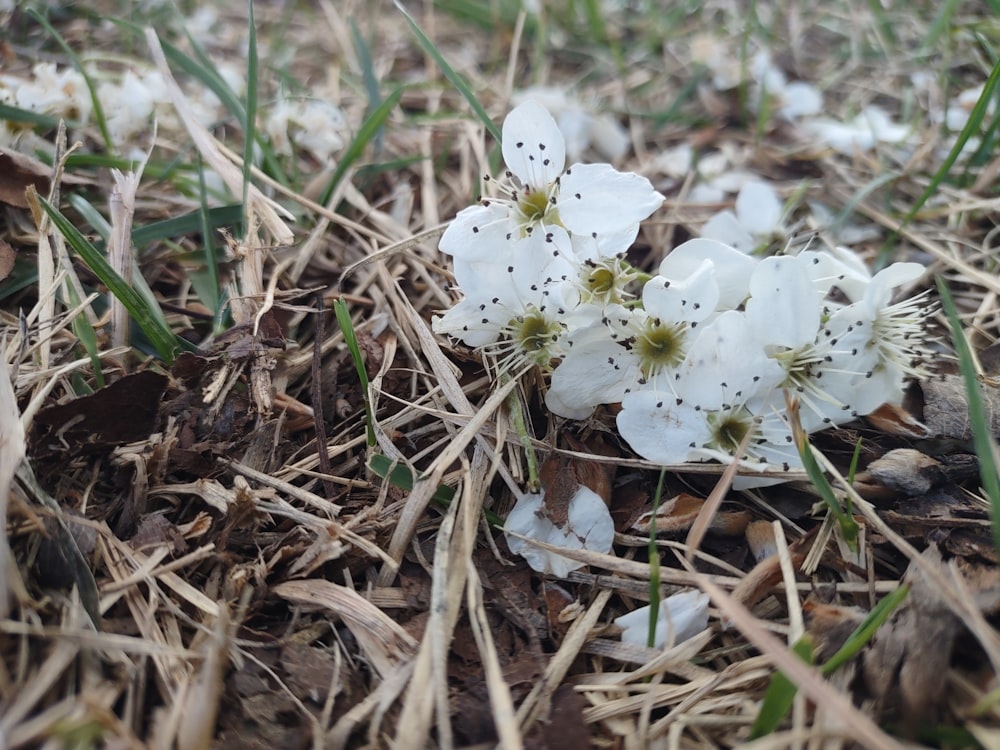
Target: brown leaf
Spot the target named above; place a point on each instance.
(18, 171)
(123, 412)
(946, 408)
(7, 256)
(912, 652)
(679, 513)
(895, 420)
(561, 477)
(903, 470)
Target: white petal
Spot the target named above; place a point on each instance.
(479, 233)
(799, 99)
(533, 146)
(597, 198)
(605, 244)
(659, 429)
(575, 125)
(590, 520)
(692, 299)
(595, 371)
(732, 267)
(783, 308)
(589, 526)
(610, 139)
(681, 616)
(879, 293)
(758, 208)
(838, 267)
(524, 519)
(708, 378)
(466, 322)
(726, 228)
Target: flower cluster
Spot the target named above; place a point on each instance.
(699, 354)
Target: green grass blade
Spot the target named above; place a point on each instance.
(367, 67)
(942, 23)
(347, 327)
(87, 336)
(99, 117)
(250, 116)
(161, 337)
(781, 691)
(654, 565)
(848, 526)
(779, 695)
(366, 133)
(456, 80)
(400, 476)
(211, 261)
(976, 117)
(863, 633)
(202, 220)
(10, 113)
(982, 435)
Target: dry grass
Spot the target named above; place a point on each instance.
(237, 575)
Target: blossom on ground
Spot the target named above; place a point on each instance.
(587, 526)
(712, 405)
(680, 617)
(512, 310)
(754, 222)
(700, 354)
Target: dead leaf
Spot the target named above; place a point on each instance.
(903, 470)
(7, 256)
(18, 171)
(946, 408)
(125, 411)
(911, 653)
(896, 420)
(679, 513)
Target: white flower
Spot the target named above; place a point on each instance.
(784, 313)
(582, 202)
(885, 342)
(588, 526)
(681, 617)
(756, 220)
(128, 107)
(512, 311)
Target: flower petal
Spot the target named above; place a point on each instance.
(597, 198)
(783, 308)
(732, 268)
(658, 428)
(758, 208)
(726, 228)
(692, 299)
(533, 146)
(479, 233)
